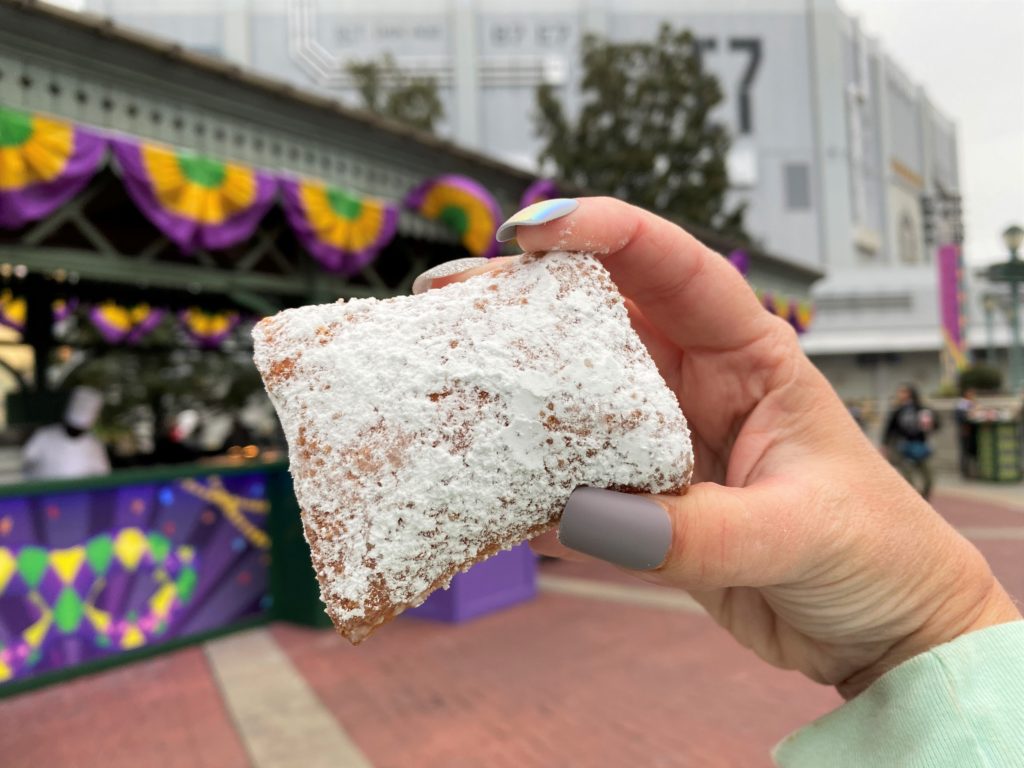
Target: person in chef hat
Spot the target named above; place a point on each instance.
(68, 449)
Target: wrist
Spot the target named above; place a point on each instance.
(960, 617)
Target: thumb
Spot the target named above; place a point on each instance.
(710, 537)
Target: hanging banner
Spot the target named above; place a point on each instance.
(43, 164)
(196, 201)
(801, 313)
(208, 329)
(951, 304)
(13, 311)
(343, 231)
(465, 206)
(740, 260)
(124, 325)
(63, 309)
(538, 192)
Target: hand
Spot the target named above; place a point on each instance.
(796, 536)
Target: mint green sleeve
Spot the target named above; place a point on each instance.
(960, 704)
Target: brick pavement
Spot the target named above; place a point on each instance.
(161, 713)
(560, 681)
(569, 679)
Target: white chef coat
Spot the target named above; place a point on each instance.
(51, 453)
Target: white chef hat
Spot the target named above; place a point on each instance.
(84, 408)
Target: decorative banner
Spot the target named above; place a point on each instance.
(124, 325)
(13, 311)
(43, 164)
(342, 230)
(208, 329)
(63, 309)
(951, 303)
(777, 307)
(196, 201)
(801, 313)
(740, 260)
(90, 574)
(465, 206)
(538, 191)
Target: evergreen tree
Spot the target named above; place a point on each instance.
(389, 91)
(645, 132)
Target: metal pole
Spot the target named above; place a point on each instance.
(1016, 364)
(990, 353)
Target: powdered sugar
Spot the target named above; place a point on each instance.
(427, 432)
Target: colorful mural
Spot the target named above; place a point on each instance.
(88, 574)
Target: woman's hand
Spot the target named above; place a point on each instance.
(797, 536)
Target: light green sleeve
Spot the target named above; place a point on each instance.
(960, 704)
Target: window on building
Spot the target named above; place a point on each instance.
(797, 182)
(907, 244)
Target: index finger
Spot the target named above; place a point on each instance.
(689, 292)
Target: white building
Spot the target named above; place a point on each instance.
(834, 146)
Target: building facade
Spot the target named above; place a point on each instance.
(836, 151)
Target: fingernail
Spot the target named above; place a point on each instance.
(622, 528)
(538, 213)
(453, 267)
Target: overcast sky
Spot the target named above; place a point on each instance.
(969, 56)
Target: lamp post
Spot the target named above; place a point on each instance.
(989, 304)
(1012, 272)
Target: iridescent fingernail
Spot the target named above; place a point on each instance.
(453, 267)
(538, 213)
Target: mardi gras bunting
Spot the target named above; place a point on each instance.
(195, 200)
(539, 191)
(63, 309)
(43, 164)
(462, 204)
(13, 311)
(343, 231)
(800, 315)
(124, 325)
(740, 260)
(208, 329)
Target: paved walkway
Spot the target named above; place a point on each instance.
(600, 670)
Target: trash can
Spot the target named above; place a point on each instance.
(999, 450)
(293, 585)
(508, 578)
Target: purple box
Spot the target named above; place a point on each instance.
(506, 579)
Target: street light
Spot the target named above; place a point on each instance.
(1013, 237)
(1012, 272)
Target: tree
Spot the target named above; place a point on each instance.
(389, 91)
(644, 131)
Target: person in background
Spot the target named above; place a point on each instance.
(906, 438)
(967, 432)
(68, 449)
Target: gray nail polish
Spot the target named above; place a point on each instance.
(453, 267)
(624, 529)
